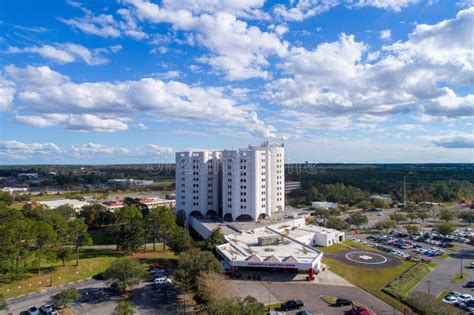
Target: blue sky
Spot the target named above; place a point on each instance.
(133, 81)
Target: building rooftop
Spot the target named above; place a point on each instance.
(245, 246)
(62, 202)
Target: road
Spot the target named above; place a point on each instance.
(147, 300)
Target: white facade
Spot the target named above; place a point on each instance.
(198, 182)
(243, 184)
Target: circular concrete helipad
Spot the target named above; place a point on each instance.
(366, 258)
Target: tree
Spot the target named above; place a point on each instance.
(63, 254)
(398, 217)
(65, 297)
(215, 239)
(180, 218)
(467, 216)
(192, 264)
(249, 305)
(412, 216)
(133, 235)
(45, 239)
(79, 236)
(6, 198)
(385, 225)
(357, 219)
(213, 286)
(3, 304)
(125, 272)
(335, 223)
(445, 228)
(364, 204)
(124, 308)
(447, 215)
(180, 240)
(162, 221)
(411, 229)
(380, 203)
(423, 215)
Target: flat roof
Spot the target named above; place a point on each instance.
(244, 247)
(62, 202)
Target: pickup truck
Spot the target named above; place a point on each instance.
(291, 305)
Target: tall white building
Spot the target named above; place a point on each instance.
(237, 185)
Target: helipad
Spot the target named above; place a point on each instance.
(367, 258)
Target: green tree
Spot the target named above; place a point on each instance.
(249, 305)
(6, 198)
(445, 228)
(3, 304)
(385, 225)
(133, 235)
(124, 308)
(335, 223)
(447, 215)
(423, 215)
(45, 240)
(65, 297)
(191, 265)
(313, 194)
(63, 253)
(180, 218)
(162, 221)
(412, 216)
(380, 203)
(125, 272)
(398, 217)
(467, 216)
(180, 240)
(411, 229)
(78, 236)
(215, 239)
(357, 219)
(364, 204)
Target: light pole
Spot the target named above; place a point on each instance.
(462, 277)
(429, 286)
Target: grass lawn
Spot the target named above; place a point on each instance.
(402, 285)
(369, 279)
(460, 277)
(92, 262)
(443, 294)
(443, 256)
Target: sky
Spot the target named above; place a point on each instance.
(338, 81)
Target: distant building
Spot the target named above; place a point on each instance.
(157, 202)
(28, 175)
(75, 204)
(292, 186)
(130, 182)
(112, 205)
(386, 197)
(15, 190)
(324, 205)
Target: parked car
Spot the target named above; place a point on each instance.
(303, 312)
(99, 276)
(291, 305)
(33, 310)
(162, 282)
(156, 266)
(470, 284)
(48, 309)
(343, 302)
(463, 298)
(358, 310)
(450, 299)
(453, 293)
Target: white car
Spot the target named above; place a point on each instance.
(450, 299)
(162, 281)
(463, 298)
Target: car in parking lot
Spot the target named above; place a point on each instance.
(343, 302)
(291, 305)
(48, 309)
(162, 282)
(303, 312)
(463, 298)
(450, 299)
(470, 284)
(33, 310)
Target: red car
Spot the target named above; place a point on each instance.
(359, 310)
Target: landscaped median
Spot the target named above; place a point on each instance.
(399, 287)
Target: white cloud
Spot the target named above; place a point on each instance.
(48, 98)
(16, 150)
(385, 34)
(158, 149)
(300, 10)
(419, 75)
(94, 149)
(66, 53)
(410, 127)
(453, 140)
(7, 93)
